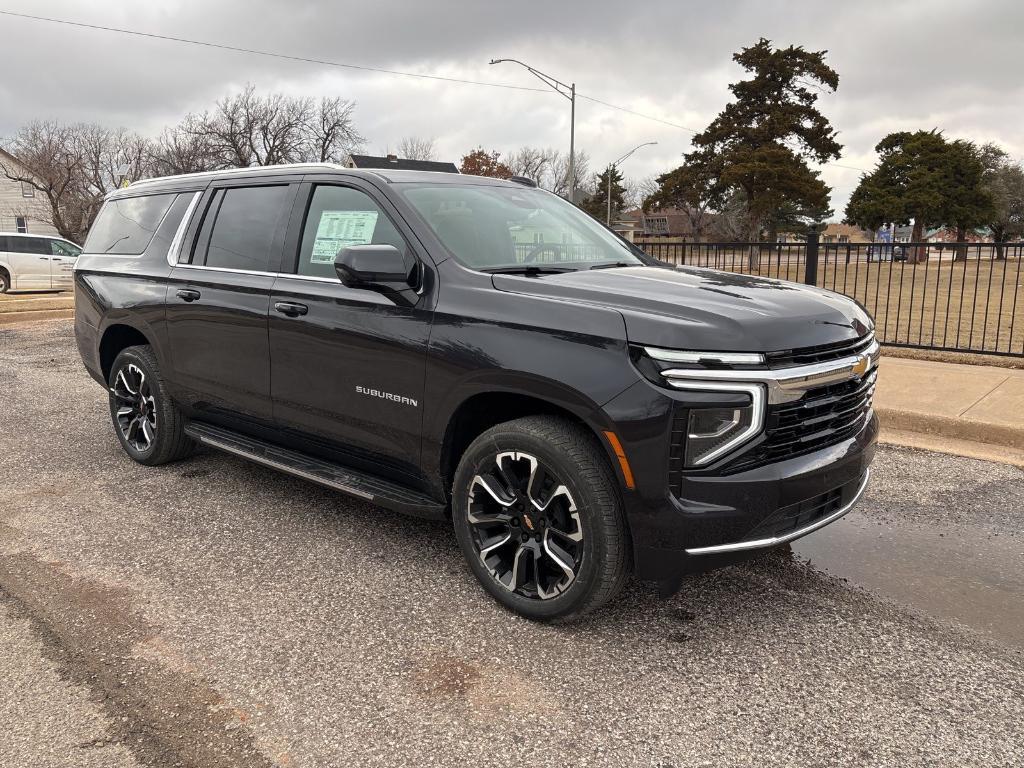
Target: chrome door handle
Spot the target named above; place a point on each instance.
(187, 294)
(290, 308)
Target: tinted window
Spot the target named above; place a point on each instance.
(30, 245)
(243, 231)
(127, 225)
(340, 216)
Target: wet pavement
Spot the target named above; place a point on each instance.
(215, 613)
(968, 576)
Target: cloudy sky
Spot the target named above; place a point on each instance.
(903, 64)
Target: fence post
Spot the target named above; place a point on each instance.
(811, 257)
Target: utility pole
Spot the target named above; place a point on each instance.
(569, 92)
(611, 169)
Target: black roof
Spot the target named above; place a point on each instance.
(395, 163)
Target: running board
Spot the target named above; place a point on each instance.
(350, 481)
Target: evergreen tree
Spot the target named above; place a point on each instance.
(597, 204)
(923, 178)
(763, 139)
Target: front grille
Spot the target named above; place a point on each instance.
(822, 353)
(822, 417)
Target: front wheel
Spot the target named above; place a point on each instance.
(147, 422)
(538, 517)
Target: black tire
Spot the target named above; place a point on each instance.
(5, 281)
(569, 457)
(161, 439)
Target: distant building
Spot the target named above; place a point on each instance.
(396, 163)
(667, 222)
(22, 207)
(835, 232)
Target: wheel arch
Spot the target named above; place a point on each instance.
(117, 337)
(485, 409)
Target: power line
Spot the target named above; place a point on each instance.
(270, 54)
(638, 114)
(342, 65)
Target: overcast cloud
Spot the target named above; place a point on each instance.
(902, 65)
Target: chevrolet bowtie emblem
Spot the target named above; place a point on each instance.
(862, 365)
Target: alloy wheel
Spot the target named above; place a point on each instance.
(135, 407)
(525, 526)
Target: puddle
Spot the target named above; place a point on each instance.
(963, 574)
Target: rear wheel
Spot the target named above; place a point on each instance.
(538, 518)
(5, 282)
(147, 423)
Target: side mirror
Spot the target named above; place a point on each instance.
(372, 266)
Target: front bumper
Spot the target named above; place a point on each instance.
(715, 518)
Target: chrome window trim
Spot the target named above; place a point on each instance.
(784, 384)
(739, 546)
(757, 400)
(179, 233)
(684, 356)
(226, 269)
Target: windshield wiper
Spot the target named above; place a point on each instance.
(528, 269)
(611, 264)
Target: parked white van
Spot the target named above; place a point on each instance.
(36, 262)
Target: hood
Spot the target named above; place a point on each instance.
(690, 308)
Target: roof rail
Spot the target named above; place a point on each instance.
(524, 180)
(247, 169)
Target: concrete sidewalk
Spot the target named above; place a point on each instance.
(971, 410)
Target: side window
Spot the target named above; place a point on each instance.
(243, 231)
(30, 245)
(64, 249)
(337, 217)
(125, 226)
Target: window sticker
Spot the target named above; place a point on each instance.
(338, 229)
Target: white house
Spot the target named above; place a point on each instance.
(22, 208)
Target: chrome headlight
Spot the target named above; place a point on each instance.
(714, 432)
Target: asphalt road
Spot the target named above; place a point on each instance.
(214, 613)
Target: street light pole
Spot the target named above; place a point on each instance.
(569, 92)
(612, 167)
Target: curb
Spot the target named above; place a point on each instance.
(14, 318)
(996, 435)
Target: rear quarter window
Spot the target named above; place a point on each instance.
(126, 226)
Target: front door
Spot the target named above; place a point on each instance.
(218, 300)
(347, 365)
(62, 264)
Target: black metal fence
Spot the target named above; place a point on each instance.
(963, 297)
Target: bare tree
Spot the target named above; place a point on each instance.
(252, 129)
(182, 149)
(550, 169)
(639, 190)
(73, 167)
(416, 148)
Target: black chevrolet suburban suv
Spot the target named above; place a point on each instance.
(458, 347)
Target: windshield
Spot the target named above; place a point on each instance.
(497, 228)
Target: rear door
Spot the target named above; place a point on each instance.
(30, 263)
(347, 365)
(218, 300)
(63, 256)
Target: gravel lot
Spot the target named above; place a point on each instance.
(214, 613)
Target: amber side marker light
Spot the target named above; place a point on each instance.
(627, 473)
